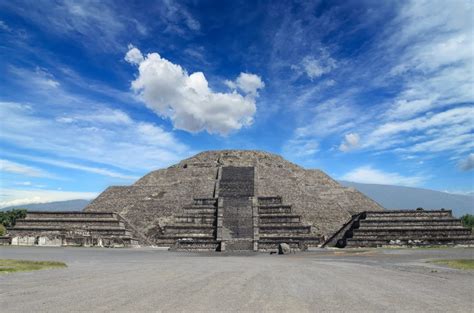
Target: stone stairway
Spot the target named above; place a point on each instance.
(277, 224)
(405, 228)
(72, 229)
(235, 218)
(195, 229)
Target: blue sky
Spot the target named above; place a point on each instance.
(98, 93)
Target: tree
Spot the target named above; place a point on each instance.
(8, 218)
(468, 220)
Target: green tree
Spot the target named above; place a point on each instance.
(3, 230)
(468, 220)
(8, 218)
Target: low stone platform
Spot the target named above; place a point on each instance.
(402, 228)
(102, 229)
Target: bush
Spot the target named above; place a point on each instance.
(8, 218)
(3, 230)
(468, 220)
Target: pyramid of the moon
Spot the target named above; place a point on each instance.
(260, 195)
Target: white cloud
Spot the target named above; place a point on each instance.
(468, 163)
(97, 24)
(300, 147)
(316, 67)
(351, 141)
(248, 83)
(21, 169)
(134, 56)
(14, 197)
(432, 42)
(369, 175)
(101, 135)
(444, 131)
(4, 26)
(187, 99)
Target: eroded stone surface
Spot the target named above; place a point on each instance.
(150, 203)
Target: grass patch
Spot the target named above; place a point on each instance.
(460, 264)
(12, 266)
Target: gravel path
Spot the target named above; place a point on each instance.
(144, 280)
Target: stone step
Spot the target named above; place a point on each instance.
(413, 222)
(68, 223)
(281, 229)
(412, 232)
(269, 200)
(38, 229)
(390, 227)
(203, 219)
(195, 245)
(200, 210)
(452, 240)
(68, 214)
(273, 209)
(185, 229)
(407, 218)
(406, 213)
(279, 218)
(175, 237)
(205, 201)
(286, 238)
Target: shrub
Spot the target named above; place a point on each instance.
(8, 218)
(468, 220)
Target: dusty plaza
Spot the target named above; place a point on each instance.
(319, 280)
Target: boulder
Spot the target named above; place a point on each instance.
(284, 248)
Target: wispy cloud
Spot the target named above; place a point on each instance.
(103, 136)
(468, 163)
(369, 175)
(15, 197)
(100, 25)
(21, 169)
(420, 67)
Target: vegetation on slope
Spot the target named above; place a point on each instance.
(11, 266)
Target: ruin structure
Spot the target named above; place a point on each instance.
(233, 200)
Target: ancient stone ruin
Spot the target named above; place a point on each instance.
(233, 200)
(402, 228)
(103, 229)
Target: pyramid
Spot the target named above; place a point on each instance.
(183, 199)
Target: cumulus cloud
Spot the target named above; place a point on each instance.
(351, 141)
(187, 100)
(468, 163)
(369, 175)
(248, 83)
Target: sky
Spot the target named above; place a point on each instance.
(99, 93)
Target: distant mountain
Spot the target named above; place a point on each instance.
(69, 205)
(390, 197)
(397, 197)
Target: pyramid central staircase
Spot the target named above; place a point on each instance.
(236, 220)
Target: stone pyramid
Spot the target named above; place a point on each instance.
(152, 203)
